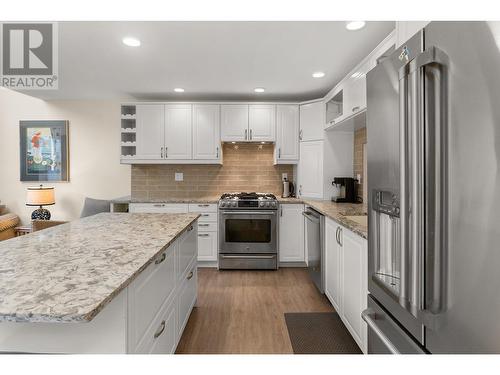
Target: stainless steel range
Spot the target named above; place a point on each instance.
(248, 231)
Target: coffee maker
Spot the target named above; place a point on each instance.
(347, 190)
(288, 189)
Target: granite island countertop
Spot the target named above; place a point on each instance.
(70, 272)
(335, 211)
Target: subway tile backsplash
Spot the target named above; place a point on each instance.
(246, 167)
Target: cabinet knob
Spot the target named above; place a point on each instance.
(190, 275)
(354, 109)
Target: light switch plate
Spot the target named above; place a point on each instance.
(179, 176)
(284, 176)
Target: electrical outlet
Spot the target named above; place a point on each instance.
(284, 176)
(179, 176)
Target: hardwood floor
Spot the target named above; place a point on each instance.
(243, 311)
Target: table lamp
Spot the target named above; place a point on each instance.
(40, 196)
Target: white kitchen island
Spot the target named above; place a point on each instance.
(109, 283)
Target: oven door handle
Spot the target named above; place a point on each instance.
(267, 213)
(247, 256)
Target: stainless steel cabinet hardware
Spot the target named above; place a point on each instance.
(190, 228)
(203, 225)
(279, 153)
(354, 109)
(166, 154)
(203, 205)
(300, 134)
(190, 275)
(158, 205)
(203, 235)
(337, 235)
(162, 152)
(205, 215)
(161, 259)
(246, 132)
(160, 331)
(217, 151)
(281, 211)
(369, 317)
(340, 236)
(251, 134)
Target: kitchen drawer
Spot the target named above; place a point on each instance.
(207, 246)
(207, 227)
(208, 217)
(170, 208)
(187, 297)
(161, 336)
(203, 207)
(187, 249)
(148, 292)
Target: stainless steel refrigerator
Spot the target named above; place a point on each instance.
(433, 123)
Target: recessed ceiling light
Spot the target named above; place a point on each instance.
(355, 25)
(318, 74)
(259, 89)
(179, 89)
(131, 42)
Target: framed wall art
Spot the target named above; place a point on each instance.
(44, 150)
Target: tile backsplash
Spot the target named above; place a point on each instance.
(359, 140)
(246, 167)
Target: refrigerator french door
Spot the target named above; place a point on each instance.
(433, 123)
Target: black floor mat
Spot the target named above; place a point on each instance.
(319, 333)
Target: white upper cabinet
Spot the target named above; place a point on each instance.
(206, 131)
(287, 134)
(178, 141)
(310, 170)
(312, 120)
(291, 233)
(261, 122)
(150, 127)
(234, 122)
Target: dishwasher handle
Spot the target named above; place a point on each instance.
(311, 216)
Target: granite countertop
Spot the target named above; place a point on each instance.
(70, 272)
(336, 211)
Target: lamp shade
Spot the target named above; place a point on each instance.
(40, 196)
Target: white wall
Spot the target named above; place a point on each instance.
(94, 166)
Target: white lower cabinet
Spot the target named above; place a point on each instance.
(208, 226)
(346, 256)
(291, 233)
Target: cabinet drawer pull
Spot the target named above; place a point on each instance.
(246, 132)
(166, 154)
(162, 152)
(279, 153)
(190, 275)
(251, 134)
(205, 215)
(203, 205)
(203, 235)
(217, 155)
(161, 259)
(203, 225)
(355, 109)
(190, 228)
(160, 331)
(158, 205)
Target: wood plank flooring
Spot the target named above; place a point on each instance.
(243, 311)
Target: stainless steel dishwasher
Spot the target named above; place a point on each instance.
(314, 229)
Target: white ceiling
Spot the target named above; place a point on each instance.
(210, 60)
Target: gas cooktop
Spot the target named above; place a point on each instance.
(248, 200)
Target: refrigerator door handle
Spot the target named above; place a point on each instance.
(369, 316)
(436, 64)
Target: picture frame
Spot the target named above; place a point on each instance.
(44, 151)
